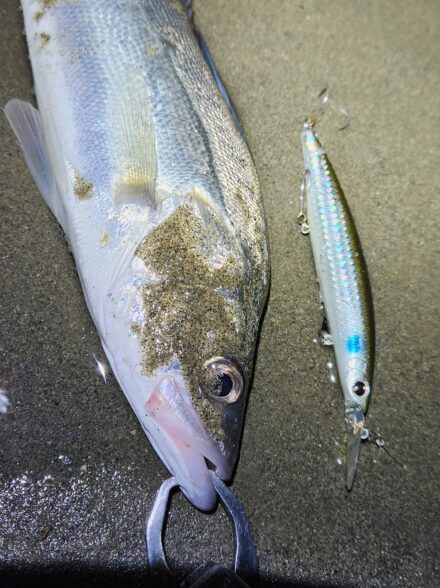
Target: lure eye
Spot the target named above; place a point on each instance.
(361, 388)
(228, 380)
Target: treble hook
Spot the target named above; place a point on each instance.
(301, 219)
(379, 441)
(246, 560)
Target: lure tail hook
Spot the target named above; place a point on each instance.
(378, 440)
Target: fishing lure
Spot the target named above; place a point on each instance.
(344, 284)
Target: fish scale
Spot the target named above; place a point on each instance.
(136, 152)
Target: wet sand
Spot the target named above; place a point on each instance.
(78, 476)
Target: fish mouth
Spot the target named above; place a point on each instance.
(179, 437)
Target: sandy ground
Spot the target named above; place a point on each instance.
(78, 476)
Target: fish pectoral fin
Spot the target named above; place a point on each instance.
(134, 187)
(25, 121)
(133, 127)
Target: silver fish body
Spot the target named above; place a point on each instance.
(344, 284)
(141, 162)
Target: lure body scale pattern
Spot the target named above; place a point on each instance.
(344, 284)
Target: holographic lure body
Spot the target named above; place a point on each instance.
(344, 283)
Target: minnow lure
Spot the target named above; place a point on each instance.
(344, 284)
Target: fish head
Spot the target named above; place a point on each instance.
(198, 337)
(195, 431)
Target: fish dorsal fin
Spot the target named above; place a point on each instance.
(135, 145)
(25, 121)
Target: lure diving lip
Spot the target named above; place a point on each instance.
(344, 284)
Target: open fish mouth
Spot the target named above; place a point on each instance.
(176, 432)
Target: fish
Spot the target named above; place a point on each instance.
(344, 285)
(141, 161)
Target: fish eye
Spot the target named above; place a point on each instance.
(228, 380)
(361, 388)
(225, 385)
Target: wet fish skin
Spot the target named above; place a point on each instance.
(142, 164)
